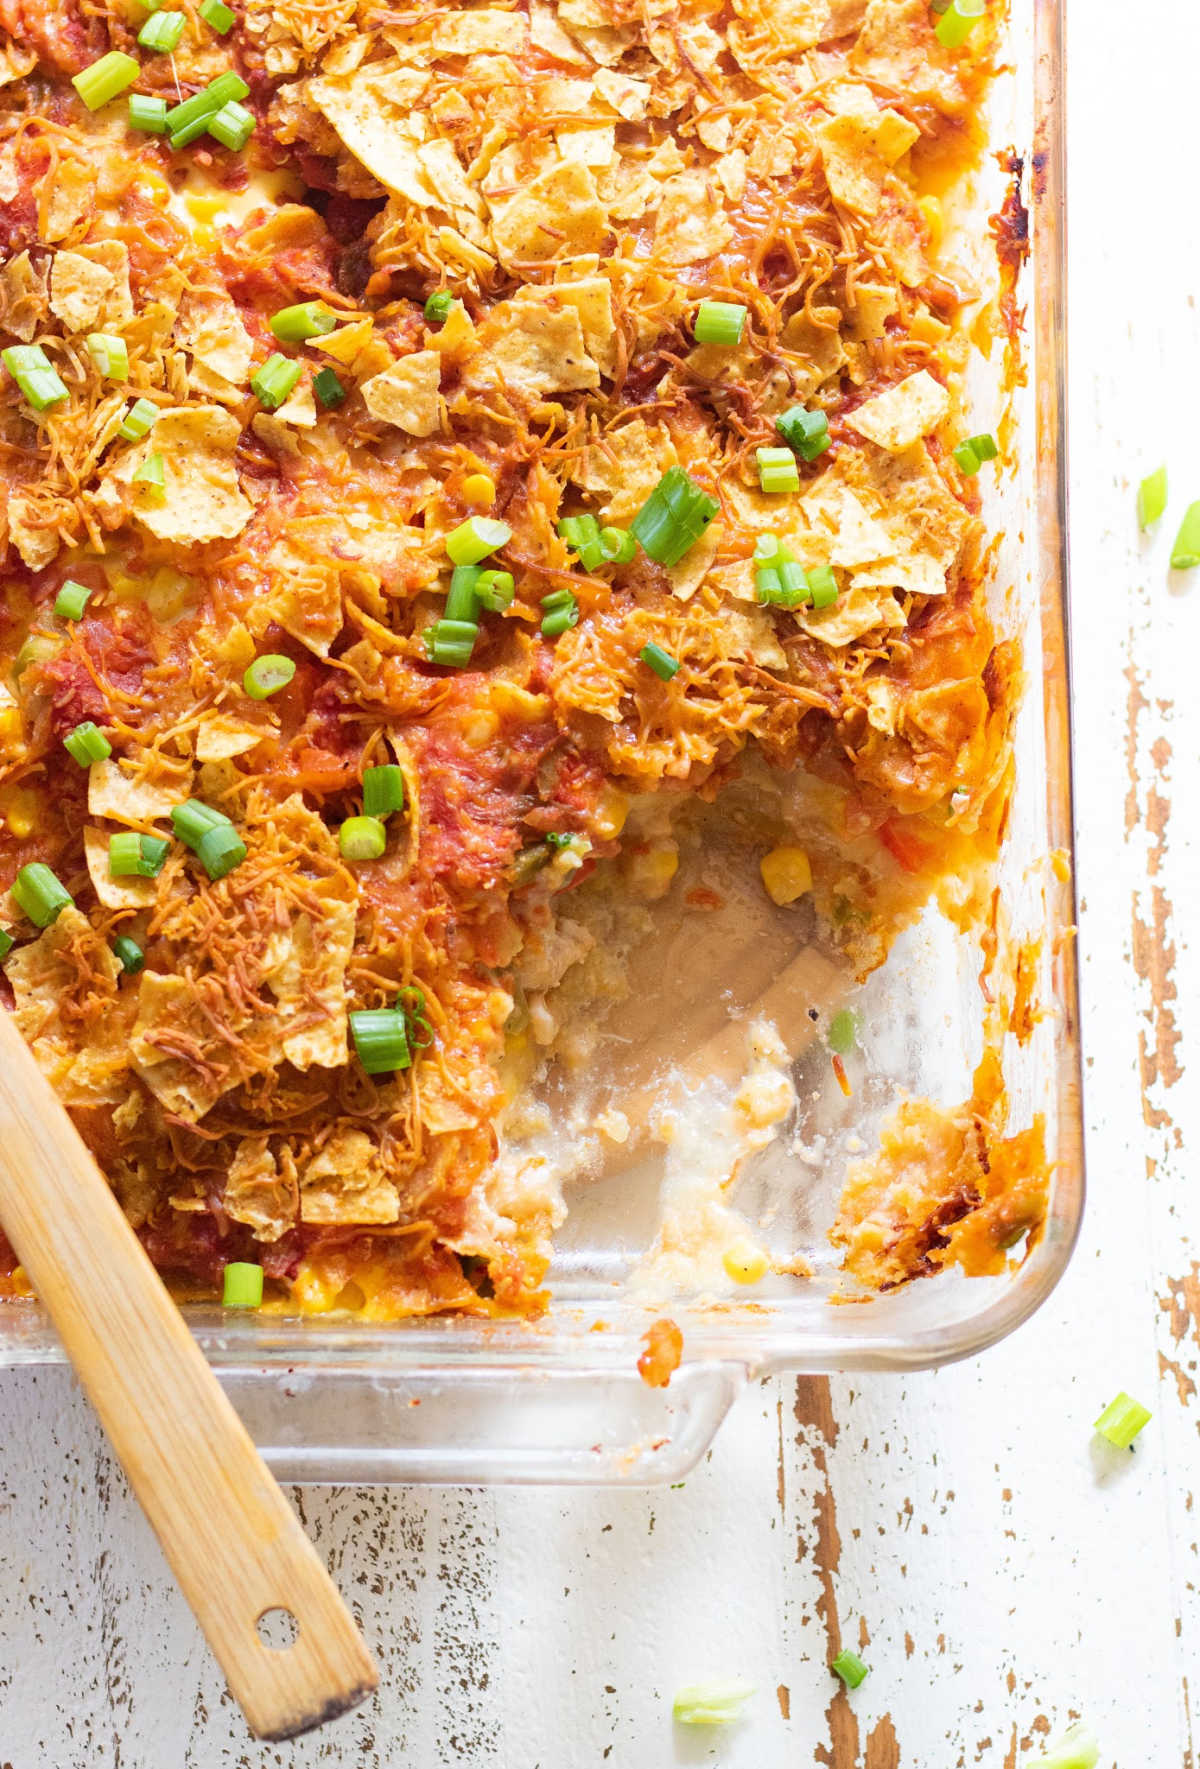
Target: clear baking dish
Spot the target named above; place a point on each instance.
(329, 1399)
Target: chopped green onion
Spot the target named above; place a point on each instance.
(6, 942)
(1186, 552)
(130, 954)
(1121, 1421)
(39, 894)
(618, 546)
(380, 1039)
(711, 1704)
(241, 1285)
(105, 79)
(152, 474)
(768, 549)
(186, 133)
(660, 661)
(328, 388)
(417, 1029)
(986, 447)
(109, 353)
(783, 584)
(272, 383)
(461, 603)
(1152, 498)
(147, 114)
(162, 32)
(307, 319)
(193, 819)
(267, 675)
(208, 102)
(777, 470)
(822, 586)
(87, 744)
(71, 601)
(582, 535)
(140, 419)
(494, 590)
(383, 790)
(35, 375)
(362, 838)
(939, 6)
(437, 308)
(719, 322)
(560, 840)
(958, 21)
(972, 453)
(560, 611)
(475, 538)
(806, 432)
(136, 856)
(451, 642)
(232, 126)
(843, 1031)
(849, 1668)
(219, 850)
(218, 17)
(673, 517)
(1077, 1748)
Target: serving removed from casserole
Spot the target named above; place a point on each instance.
(464, 468)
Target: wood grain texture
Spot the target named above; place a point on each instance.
(231, 1538)
(1006, 1572)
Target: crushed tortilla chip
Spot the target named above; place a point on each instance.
(78, 290)
(210, 328)
(345, 1182)
(901, 416)
(203, 500)
(854, 614)
(222, 735)
(116, 791)
(71, 197)
(692, 224)
(115, 893)
(408, 394)
(560, 208)
(533, 345)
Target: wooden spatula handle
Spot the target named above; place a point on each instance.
(233, 1541)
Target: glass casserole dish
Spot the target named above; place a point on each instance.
(560, 1398)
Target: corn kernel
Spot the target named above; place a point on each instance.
(935, 220)
(612, 808)
(10, 725)
(744, 1262)
(650, 874)
(21, 813)
(479, 489)
(786, 874)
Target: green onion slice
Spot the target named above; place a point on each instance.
(451, 642)
(147, 114)
(380, 1039)
(38, 894)
(226, 88)
(241, 1285)
(777, 470)
(719, 322)
(362, 838)
(1152, 498)
(267, 675)
(475, 538)
(109, 353)
(560, 611)
(673, 517)
(1077, 1748)
(411, 1003)
(6, 942)
(494, 590)
(152, 475)
(711, 1704)
(328, 388)
(806, 432)
(162, 32)
(461, 601)
(1185, 554)
(130, 954)
(131, 855)
(307, 319)
(1121, 1421)
(140, 419)
(437, 308)
(272, 383)
(660, 661)
(232, 126)
(822, 586)
(71, 600)
(958, 21)
(618, 546)
(849, 1668)
(219, 850)
(105, 79)
(35, 375)
(218, 17)
(87, 744)
(383, 790)
(582, 535)
(843, 1032)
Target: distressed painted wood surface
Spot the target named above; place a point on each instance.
(998, 1571)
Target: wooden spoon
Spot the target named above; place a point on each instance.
(233, 1541)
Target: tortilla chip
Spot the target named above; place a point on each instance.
(84, 1062)
(72, 197)
(558, 210)
(22, 297)
(348, 342)
(31, 534)
(903, 414)
(113, 256)
(591, 297)
(855, 613)
(693, 568)
(257, 1193)
(589, 144)
(627, 96)
(210, 329)
(309, 981)
(408, 394)
(78, 289)
(625, 465)
(467, 33)
(223, 735)
(344, 1182)
(750, 632)
(531, 346)
(114, 893)
(169, 1047)
(204, 501)
(115, 791)
(691, 224)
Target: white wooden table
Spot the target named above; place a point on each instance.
(1005, 1574)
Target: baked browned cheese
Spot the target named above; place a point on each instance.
(577, 177)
